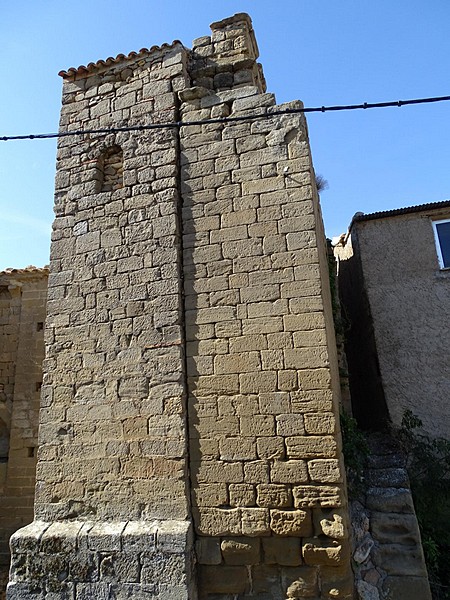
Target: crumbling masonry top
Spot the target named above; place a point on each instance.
(239, 21)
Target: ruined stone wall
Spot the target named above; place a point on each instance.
(191, 370)
(388, 559)
(22, 305)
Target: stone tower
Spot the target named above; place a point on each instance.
(189, 439)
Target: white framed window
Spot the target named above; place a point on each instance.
(442, 238)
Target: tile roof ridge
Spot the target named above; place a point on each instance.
(92, 67)
(30, 269)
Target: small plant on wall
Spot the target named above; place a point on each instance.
(356, 451)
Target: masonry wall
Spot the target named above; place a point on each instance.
(267, 481)
(191, 371)
(22, 305)
(407, 302)
(112, 441)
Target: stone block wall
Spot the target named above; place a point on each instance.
(134, 560)
(267, 480)
(112, 423)
(23, 295)
(112, 442)
(388, 558)
(191, 371)
(265, 468)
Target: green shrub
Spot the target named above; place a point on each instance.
(356, 451)
(428, 462)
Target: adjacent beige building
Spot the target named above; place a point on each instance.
(23, 294)
(394, 281)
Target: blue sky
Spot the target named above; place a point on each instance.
(322, 53)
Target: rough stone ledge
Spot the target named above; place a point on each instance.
(171, 536)
(76, 560)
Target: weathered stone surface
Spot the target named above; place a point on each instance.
(301, 582)
(325, 470)
(270, 495)
(293, 523)
(389, 477)
(394, 500)
(218, 522)
(367, 591)
(333, 524)
(311, 447)
(397, 559)
(224, 579)
(401, 588)
(241, 551)
(23, 295)
(317, 495)
(324, 553)
(396, 528)
(363, 549)
(123, 555)
(208, 551)
(266, 580)
(285, 551)
(385, 531)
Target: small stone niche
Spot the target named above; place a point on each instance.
(110, 169)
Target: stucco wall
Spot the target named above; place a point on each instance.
(409, 302)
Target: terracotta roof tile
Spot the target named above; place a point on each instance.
(27, 270)
(92, 67)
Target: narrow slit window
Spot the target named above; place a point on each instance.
(442, 239)
(110, 170)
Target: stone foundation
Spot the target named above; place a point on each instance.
(83, 560)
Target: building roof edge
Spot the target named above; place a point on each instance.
(359, 216)
(31, 270)
(84, 71)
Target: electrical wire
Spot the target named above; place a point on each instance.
(224, 120)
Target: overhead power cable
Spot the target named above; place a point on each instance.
(252, 117)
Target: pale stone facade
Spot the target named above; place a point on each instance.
(22, 314)
(397, 299)
(189, 439)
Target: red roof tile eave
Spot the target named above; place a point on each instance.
(31, 270)
(83, 71)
